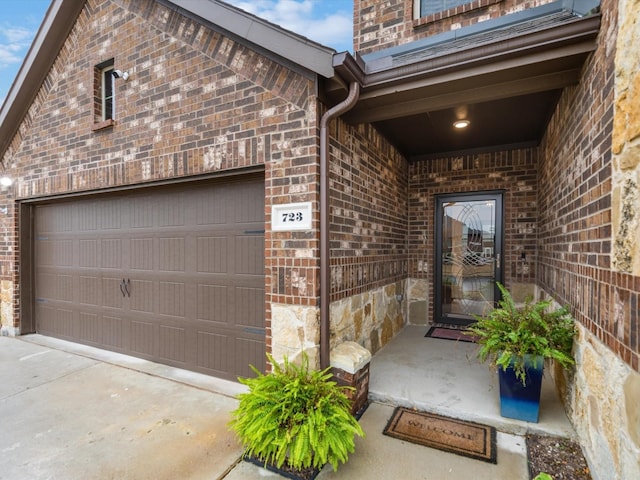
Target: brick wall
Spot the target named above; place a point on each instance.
(380, 24)
(575, 203)
(512, 171)
(368, 181)
(369, 194)
(196, 103)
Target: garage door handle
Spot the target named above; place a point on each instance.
(125, 287)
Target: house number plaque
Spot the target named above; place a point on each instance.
(291, 217)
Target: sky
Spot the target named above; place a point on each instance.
(328, 22)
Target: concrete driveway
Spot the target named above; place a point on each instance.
(66, 415)
(72, 412)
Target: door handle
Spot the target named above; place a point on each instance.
(127, 287)
(498, 260)
(122, 287)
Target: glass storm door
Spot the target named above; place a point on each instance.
(468, 255)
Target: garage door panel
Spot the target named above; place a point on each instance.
(90, 327)
(172, 210)
(244, 211)
(109, 214)
(249, 352)
(211, 303)
(248, 256)
(213, 352)
(58, 219)
(171, 254)
(112, 292)
(143, 338)
(86, 216)
(56, 320)
(65, 288)
(90, 290)
(111, 252)
(88, 253)
(171, 300)
(116, 332)
(142, 296)
(57, 252)
(212, 254)
(141, 254)
(142, 211)
(192, 262)
(172, 343)
(250, 306)
(46, 286)
(208, 206)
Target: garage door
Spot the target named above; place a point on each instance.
(173, 275)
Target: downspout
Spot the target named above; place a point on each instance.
(325, 292)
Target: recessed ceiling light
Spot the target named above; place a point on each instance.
(461, 123)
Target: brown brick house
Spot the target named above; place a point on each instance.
(245, 190)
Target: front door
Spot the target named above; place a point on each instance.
(468, 255)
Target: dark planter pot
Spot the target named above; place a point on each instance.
(286, 470)
(519, 401)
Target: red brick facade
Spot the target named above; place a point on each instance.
(200, 103)
(196, 103)
(558, 197)
(576, 235)
(369, 193)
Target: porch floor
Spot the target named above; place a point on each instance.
(445, 377)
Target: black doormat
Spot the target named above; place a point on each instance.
(468, 439)
(449, 334)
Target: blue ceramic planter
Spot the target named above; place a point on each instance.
(519, 401)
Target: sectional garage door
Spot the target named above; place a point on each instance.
(174, 275)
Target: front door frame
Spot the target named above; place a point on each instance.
(498, 197)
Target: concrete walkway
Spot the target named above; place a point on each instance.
(75, 412)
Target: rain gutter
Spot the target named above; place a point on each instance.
(351, 72)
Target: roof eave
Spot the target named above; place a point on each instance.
(288, 45)
(51, 35)
(447, 75)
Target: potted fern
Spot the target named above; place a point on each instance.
(518, 339)
(295, 418)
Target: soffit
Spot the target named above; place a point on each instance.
(506, 80)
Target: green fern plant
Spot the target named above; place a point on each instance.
(295, 415)
(509, 332)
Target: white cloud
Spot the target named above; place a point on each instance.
(332, 29)
(14, 42)
(17, 34)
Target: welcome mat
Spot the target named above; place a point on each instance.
(449, 334)
(469, 439)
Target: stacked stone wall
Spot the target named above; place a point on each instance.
(370, 319)
(587, 217)
(380, 24)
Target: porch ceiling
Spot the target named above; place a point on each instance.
(505, 81)
(518, 120)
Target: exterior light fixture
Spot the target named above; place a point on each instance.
(120, 74)
(6, 181)
(460, 124)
